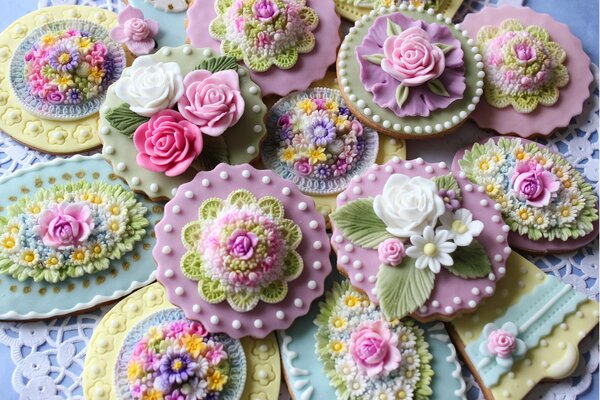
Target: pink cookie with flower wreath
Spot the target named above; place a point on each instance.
(242, 250)
(301, 45)
(419, 240)
(539, 85)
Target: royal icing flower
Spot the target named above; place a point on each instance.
(449, 198)
(534, 184)
(150, 86)
(374, 348)
(265, 10)
(461, 226)
(501, 345)
(412, 58)
(212, 101)
(65, 225)
(241, 244)
(431, 249)
(523, 66)
(136, 32)
(391, 251)
(408, 205)
(167, 143)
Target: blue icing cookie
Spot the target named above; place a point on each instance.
(171, 30)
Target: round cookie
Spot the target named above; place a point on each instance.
(129, 320)
(171, 20)
(31, 118)
(235, 142)
(295, 73)
(563, 48)
(243, 250)
(419, 240)
(547, 203)
(412, 102)
(102, 254)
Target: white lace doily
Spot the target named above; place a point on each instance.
(48, 356)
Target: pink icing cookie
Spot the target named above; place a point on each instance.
(310, 66)
(242, 250)
(544, 119)
(451, 294)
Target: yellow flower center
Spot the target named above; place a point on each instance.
(409, 374)
(484, 165)
(339, 323)
(459, 227)
(489, 188)
(14, 229)
(568, 184)
(430, 249)
(177, 365)
(540, 220)
(52, 261)
(524, 215)
(404, 338)
(64, 58)
(114, 226)
(401, 394)
(565, 212)
(115, 210)
(97, 249)
(8, 243)
(79, 255)
(410, 360)
(28, 257)
(35, 209)
(520, 155)
(337, 346)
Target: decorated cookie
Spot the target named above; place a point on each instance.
(180, 111)
(408, 73)
(286, 44)
(145, 348)
(526, 333)
(135, 31)
(72, 236)
(537, 74)
(355, 9)
(546, 202)
(55, 67)
(417, 239)
(168, 15)
(358, 354)
(243, 250)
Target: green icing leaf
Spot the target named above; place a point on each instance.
(292, 232)
(124, 120)
(359, 223)
(393, 29)
(271, 206)
(244, 300)
(217, 64)
(214, 152)
(211, 291)
(437, 87)
(190, 234)
(274, 293)
(448, 182)
(446, 48)
(403, 289)
(470, 261)
(374, 58)
(191, 266)
(401, 95)
(210, 208)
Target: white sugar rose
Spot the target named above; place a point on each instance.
(408, 205)
(150, 86)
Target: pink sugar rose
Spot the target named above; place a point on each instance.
(265, 10)
(167, 143)
(241, 244)
(391, 251)
(65, 225)
(212, 101)
(136, 32)
(411, 58)
(501, 343)
(534, 184)
(375, 348)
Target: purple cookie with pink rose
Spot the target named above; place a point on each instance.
(419, 240)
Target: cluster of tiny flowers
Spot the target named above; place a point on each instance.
(353, 311)
(20, 240)
(68, 67)
(320, 139)
(495, 169)
(179, 360)
(236, 273)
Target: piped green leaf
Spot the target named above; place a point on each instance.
(393, 29)
(448, 182)
(214, 152)
(470, 262)
(446, 48)
(437, 87)
(124, 120)
(403, 289)
(217, 64)
(374, 58)
(359, 223)
(401, 95)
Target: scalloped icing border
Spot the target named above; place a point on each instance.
(557, 355)
(97, 299)
(54, 137)
(262, 355)
(347, 10)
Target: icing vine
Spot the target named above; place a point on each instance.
(242, 250)
(523, 67)
(542, 196)
(69, 230)
(263, 33)
(417, 226)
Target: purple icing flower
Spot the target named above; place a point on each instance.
(534, 184)
(320, 131)
(64, 57)
(525, 52)
(73, 96)
(265, 10)
(341, 166)
(344, 111)
(450, 201)
(136, 32)
(176, 366)
(284, 121)
(322, 171)
(55, 97)
(303, 167)
(241, 244)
